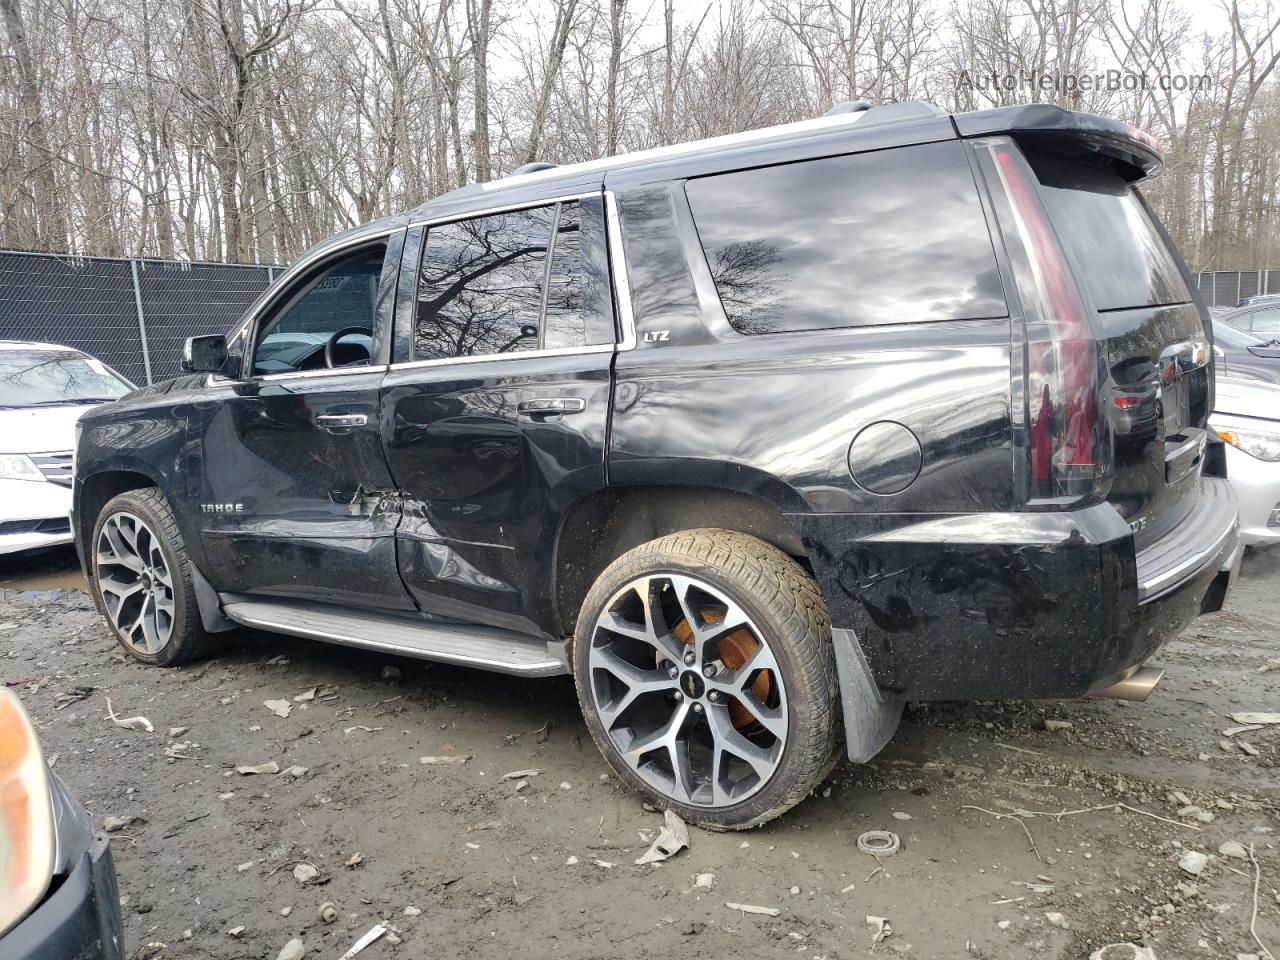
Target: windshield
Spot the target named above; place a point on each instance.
(30, 378)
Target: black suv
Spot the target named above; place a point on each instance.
(757, 438)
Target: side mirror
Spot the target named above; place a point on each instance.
(204, 354)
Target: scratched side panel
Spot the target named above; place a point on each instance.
(318, 509)
(776, 416)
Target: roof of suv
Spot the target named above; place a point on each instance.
(920, 122)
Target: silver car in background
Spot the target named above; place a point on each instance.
(44, 388)
(1247, 416)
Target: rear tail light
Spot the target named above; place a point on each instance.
(1068, 447)
(27, 843)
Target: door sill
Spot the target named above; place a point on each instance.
(485, 648)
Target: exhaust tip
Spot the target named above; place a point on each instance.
(1137, 685)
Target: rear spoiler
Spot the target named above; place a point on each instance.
(1132, 153)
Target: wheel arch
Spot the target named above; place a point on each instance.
(95, 490)
(600, 527)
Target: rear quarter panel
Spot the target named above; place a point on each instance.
(775, 416)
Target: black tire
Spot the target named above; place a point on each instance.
(187, 639)
(786, 606)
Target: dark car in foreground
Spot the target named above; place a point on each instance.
(757, 438)
(1244, 355)
(58, 897)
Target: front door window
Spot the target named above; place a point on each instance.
(326, 321)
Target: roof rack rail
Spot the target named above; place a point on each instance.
(848, 106)
(887, 112)
(533, 167)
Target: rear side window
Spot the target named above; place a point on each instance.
(500, 284)
(891, 236)
(1123, 260)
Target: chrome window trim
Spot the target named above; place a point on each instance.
(492, 357)
(218, 380)
(504, 208)
(618, 270)
(617, 273)
(322, 372)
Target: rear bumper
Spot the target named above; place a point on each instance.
(81, 919)
(1017, 605)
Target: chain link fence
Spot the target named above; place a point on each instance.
(131, 314)
(1226, 288)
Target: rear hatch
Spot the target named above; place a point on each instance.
(1158, 391)
(1115, 368)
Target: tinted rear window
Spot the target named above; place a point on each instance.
(891, 236)
(1124, 260)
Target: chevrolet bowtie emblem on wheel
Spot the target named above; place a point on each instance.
(692, 685)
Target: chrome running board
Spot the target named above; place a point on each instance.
(486, 648)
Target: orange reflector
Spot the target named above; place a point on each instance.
(27, 840)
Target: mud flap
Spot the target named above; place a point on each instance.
(870, 719)
(208, 604)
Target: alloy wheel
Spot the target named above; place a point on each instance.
(688, 690)
(135, 582)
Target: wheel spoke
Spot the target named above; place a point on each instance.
(761, 659)
(661, 737)
(734, 619)
(121, 553)
(773, 719)
(653, 631)
(638, 682)
(121, 591)
(129, 532)
(680, 590)
(682, 779)
(727, 738)
(145, 624)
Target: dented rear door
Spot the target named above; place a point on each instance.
(494, 423)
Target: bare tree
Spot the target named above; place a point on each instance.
(251, 129)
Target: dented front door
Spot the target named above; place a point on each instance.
(296, 499)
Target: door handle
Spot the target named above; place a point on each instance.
(332, 421)
(545, 406)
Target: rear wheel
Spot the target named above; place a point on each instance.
(141, 580)
(706, 675)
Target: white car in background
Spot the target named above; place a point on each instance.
(44, 388)
(1247, 415)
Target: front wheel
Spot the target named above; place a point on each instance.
(141, 580)
(705, 671)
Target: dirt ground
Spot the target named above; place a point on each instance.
(548, 869)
